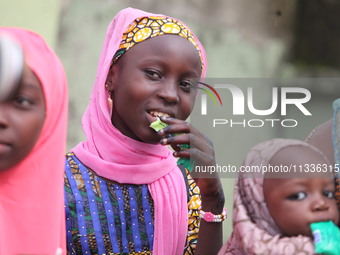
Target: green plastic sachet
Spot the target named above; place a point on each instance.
(158, 125)
(326, 237)
(185, 161)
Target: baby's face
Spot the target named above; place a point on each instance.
(295, 203)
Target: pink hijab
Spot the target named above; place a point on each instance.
(32, 217)
(117, 157)
(254, 230)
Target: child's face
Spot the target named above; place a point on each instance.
(154, 77)
(295, 203)
(21, 120)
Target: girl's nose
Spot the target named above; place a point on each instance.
(169, 93)
(3, 117)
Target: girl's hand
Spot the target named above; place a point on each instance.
(201, 154)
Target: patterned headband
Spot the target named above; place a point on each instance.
(147, 27)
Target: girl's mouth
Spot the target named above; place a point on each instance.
(157, 114)
(4, 148)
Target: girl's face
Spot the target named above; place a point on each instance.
(295, 203)
(21, 120)
(153, 78)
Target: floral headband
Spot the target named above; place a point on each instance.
(147, 27)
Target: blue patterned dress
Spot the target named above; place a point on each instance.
(105, 217)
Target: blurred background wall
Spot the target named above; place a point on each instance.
(243, 39)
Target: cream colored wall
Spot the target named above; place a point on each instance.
(41, 16)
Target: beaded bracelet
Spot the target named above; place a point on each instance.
(209, 217)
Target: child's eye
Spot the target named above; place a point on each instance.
(298, 196)
(328, 194)
(152, 74)
(187, 85)
(22, 101)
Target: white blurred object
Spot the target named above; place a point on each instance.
(11, 66)
(59, 251)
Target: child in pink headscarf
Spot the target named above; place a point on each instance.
(272, 215)
(32, 146)
(125, 193)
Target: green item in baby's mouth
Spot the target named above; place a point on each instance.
(326, 237)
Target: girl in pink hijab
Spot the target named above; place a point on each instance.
(32, 146)
(125, 193)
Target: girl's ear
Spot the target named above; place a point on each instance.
(111, 79)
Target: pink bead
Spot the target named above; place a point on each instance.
(208, 217)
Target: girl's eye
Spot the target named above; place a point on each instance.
(153, 75)
(297, 196)
(328, 194)
(187, 85)
(22, 101)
